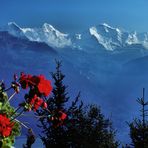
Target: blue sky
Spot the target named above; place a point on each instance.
(76, 15)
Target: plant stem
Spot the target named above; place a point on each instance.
(16, 110)
(35, 116)
(7, 89)
(22, 124)
(11, 96)
(18, 115)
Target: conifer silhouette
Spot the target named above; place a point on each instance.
(84, 127)
(139, 127)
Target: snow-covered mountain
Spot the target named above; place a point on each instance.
(10, 42)
(47, 34)
(114, 38)
(96, 37)
(107, 36)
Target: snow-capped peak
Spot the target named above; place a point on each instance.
(107, 26)
(14, 29)
(100, 39)
(107, 36)
(112, 38)
(47, 34)
(49, 28)
(132, 38)
(13, 24)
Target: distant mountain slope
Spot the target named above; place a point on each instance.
(111, 38)
(100, 36)
(8, 41)
(47, 34)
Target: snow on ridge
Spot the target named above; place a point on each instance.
(47, 34)
(145, 42)
(109, 37)
(107, 26)
(13, 24)
(132, 39)
(100, 39)
(14, 29)
(112, 38)
(78, 36)
(108, 42)
(47, 28)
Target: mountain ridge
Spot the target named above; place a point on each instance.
(99, 36)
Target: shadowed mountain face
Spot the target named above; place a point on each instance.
(8, 41)
(108, 66)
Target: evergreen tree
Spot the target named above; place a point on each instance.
(139, 127)
(84, 127)
(55, 135)
(91, 129)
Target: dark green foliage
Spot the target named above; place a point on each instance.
(91, 129)
(139, 134)
(55, 136)
(5, 108)
(59, 97)
(139, 127)
(85, 126)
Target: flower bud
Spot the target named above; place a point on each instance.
(15, 77)
(44, 105)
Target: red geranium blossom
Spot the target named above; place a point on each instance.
(25, 80)
(37, 102)
(62, 115)
(58, 119)
(44, 105)
(44, 86)
(5, 126)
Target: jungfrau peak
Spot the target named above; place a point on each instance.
(113, 38)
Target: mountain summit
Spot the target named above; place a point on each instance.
(112, 38)
(100, 36)
(47, 34)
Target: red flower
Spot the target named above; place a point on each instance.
(44, 105)
(34, 80)
(5, 126)
(44, 86)
(62, 115)
(57, 119)
(32, 101)
(37, 102)
(25, 80)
